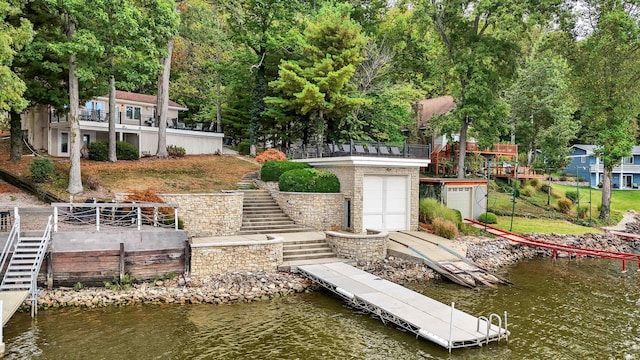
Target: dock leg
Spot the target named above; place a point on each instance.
(1, 334)
(121, 270)
(49, 270)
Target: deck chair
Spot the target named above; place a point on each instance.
(199, 127)
(359, 150)
(346, 148)
(371, 150)
(395, 151)
(383, 150)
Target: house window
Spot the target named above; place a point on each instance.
(133, 113)
(583, 159)
(627, 160)
(64, 143)
(86, 140)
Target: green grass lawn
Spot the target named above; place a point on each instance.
(542, 226)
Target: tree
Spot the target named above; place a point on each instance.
(317, 84)
(480, 42)
(607, 61)
(15, 33)
(542, 107)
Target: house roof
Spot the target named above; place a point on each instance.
(590, 149)
(429, 107)
(144, 98)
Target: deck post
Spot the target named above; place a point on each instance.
(55, 219)
(121, 268)
(97, 218)
(175, 218)
(49, 270)
(139, 217)
(453, 307)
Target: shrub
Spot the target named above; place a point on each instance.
(528, 190)
(271, 170)
(488, 218)
(99, 151)
(430, 208)
(563, 178)
(582, 212)
(564, 205)
(244, 147)
(444, 228)
(41, 170)
(176, 151)
(535, 183)
(309, 180)
(545, 188)
(91, 182)
(166, 214)
(126, 151)
(271, 155)
(571, 195)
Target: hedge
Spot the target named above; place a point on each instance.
(271, 170)
(488, 218)
(309, 180)
(99, 151)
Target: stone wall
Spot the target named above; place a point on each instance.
(317, 210)
(359, 247)
(210, 258)
(218, 214)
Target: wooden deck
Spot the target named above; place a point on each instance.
(412, 311)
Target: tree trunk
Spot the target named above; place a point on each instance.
(463, 147)
(75, 176)
(257, 106)
(16, 136)
(605, 209)
(163, 102)
(112, 119)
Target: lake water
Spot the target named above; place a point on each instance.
(557, 310)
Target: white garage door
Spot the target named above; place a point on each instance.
(460, 198)
(385, 202)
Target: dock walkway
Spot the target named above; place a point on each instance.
(11, 301)
(412, 311)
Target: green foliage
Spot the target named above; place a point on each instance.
(119, 285)
(309, 180)
(99, 151)
(78, 286)
(41, 170)
(429, 209)
(176, 151)
(582, 212)
(564, 205)
(126, 151)
(527, 190)
(488, 218)
(535, 183)
(445, 228)
(571, 195)
(244, 147)
(545, 188)
(271, 170)
(13, 37)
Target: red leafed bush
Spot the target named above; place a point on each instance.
(269, 155)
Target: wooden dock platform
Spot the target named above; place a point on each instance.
(412, 311)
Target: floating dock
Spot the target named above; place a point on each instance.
(427, 318)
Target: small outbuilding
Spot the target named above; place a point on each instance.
(469, 196)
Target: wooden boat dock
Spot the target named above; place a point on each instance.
(427, 318)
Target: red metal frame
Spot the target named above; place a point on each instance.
(555, 248)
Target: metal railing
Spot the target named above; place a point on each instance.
(116, 215)
(37, 263)
(361, 148)
(12, 240)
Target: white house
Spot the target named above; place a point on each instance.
(136, 124)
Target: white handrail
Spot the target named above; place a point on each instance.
(12, 240)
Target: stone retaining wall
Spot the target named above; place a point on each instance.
(218, 214)
(211, 258)
(317, 210)
(359, 247)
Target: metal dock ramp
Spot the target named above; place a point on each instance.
(423, 316)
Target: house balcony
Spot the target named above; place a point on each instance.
(625, 168)
(361, 148)
(149, 121)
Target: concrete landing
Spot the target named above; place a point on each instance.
(11, 301)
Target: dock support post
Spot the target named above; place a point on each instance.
(49, 270)
(121, 261)
(187, 257)
(453, 307)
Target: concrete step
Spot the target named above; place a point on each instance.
(265, 222)
(307, 251)
(318, 255)
(272, 231)
(271, 227)
(305, 245)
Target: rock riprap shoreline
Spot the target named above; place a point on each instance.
(489, 253)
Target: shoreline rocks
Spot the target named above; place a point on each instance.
(489, 253)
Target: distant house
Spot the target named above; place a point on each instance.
(136, 123)
(585, 164)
